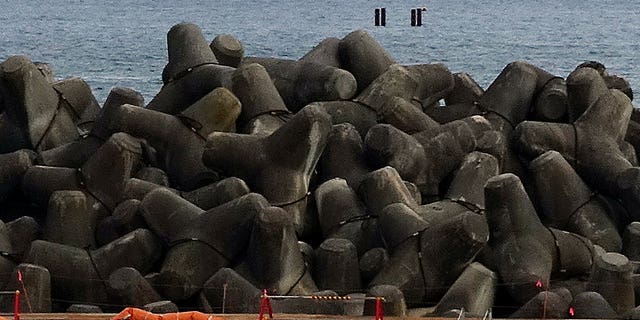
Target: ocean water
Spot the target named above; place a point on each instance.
(123, 43)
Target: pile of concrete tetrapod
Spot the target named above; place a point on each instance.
(341, 173)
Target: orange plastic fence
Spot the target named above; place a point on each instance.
(131, 313)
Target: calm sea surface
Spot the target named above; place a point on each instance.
(123, 43)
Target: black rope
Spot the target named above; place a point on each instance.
(62, 97)
(557, 244)
(588, 244)
(420, 264)
(304, 272)
(473, 207)
(349, 220)
(284, 115)
(484, 111)
(189, 70)
(192, 124)
(49, 126)
(95, 267)
(503, 117)
(570, 217)
(82, 181)
(575, 146)
(286, 204)
(92, 134)
(185, 240)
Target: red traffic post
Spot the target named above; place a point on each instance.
(265, 306)
(24, 290)
(16, 306)
(379, 310)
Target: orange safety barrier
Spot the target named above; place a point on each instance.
(131, 313)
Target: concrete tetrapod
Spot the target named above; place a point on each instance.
(394, 303)
(474, 291)
(416, 264)
(227, 49)
(105, 173)
(124, 219)
(12, 168)
(263, 110)
(591, 143)
(364, 57)
(187, 49)
(180, 140)
(240, 296)
(405, 116)
(6, 254)
(22, 231)
(385, 145)
(75, 153)
(80, 275)
(349, 112)
(102, 178)
(46, 70)
(326, 52)
(465, 90)
(371, 262)
(199, 242)
(300, 82)
(336, 266)
(508, 101)
(551, 103)
(343, 157)
(383, 187)
(495, 144)
(544, 305)
(36, 293)
(593, 306)
(631, 241)
(282, 177)
(273, 258)
(524, 250)
(131, 288)
(611, 82)
(34, 116)
(422, 158)
(343, 216)
(154, 175)
(466, 190)
(69, 220)
(611, 277)
(416, 85)
(567, 202)
(206, 197)
(192, 71)
(81, 103)
(448, 113)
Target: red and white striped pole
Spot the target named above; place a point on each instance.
(265, 304)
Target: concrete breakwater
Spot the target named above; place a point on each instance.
(341, 173)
